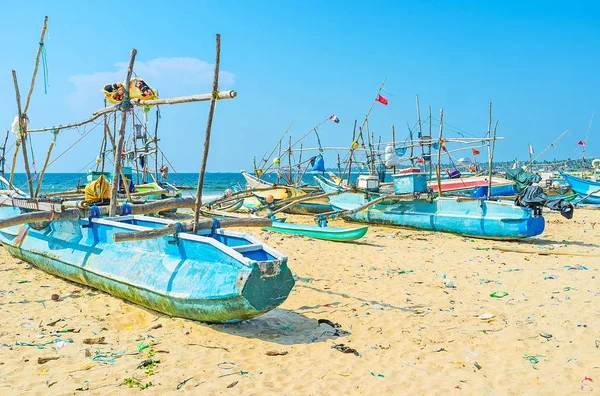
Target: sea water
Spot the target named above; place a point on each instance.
(214, 183)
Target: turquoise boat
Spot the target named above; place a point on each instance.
(469, 217)
(588, 189)
(317, 232)
(213, 276)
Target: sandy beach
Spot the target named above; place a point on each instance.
(415, 306)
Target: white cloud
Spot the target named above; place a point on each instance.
(170, 76)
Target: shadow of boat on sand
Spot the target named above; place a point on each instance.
(282, 327)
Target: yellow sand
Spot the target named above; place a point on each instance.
(413, 334)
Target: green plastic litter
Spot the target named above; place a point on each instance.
(499, 294)
(533, 360)
(23, 281)
(41, 346)
(478, 248)
(142, 345)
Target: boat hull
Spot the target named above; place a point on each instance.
(310, 207)
(588, 189)
(327, 233)
(191, 277)
(471, 185)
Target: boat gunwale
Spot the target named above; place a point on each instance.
(117, 221)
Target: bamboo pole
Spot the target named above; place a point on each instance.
(22, 134)
(419, 118)
(439, 163)
(543, 252)
(43, 171)
(38, 216)
(125, 181)
(14, 163)
(351, 153)
(291, 178)
(394, 146)
(103, 145)
(422, 148)
(412, 160)
(4, 152)
(190, 226)
(211, 113)
(278, 164)
(489, 131)
(138, 102)
(125, 107)
(370, 109)
(265, 158)
(37, 62)
(156, 144)
(546, 149)
(152, 207)
(585, 145)
(493, 143)
(135, 152)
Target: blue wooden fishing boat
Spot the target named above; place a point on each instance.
(464, 216)
(215, 276)
(587, 189)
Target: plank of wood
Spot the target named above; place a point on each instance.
(189, 226)
(544, 252)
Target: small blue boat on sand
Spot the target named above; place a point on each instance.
(587, 189)
(213, 276)
(464, 216)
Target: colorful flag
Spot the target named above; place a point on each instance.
(420, 160)
(334, 119)
(581, 143)
(443, 144)
(475, 152)
(530, 149)
(382, 100)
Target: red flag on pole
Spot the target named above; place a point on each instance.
(382, 100)
(581, 143)
(420, 160)
(475, 152)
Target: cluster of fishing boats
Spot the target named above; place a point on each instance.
(115, 233)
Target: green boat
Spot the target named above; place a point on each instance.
(326, 233)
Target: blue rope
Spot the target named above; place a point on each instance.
(216, 225)
(125, 209)
(179, 228)
(94, 213)
(45, 68)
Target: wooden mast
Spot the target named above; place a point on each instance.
(493, 143)
(23, 134)
(125, 106)
(3, 159)
(394, 147)
(410, 133)
(37, 62)
(43, 171)
(422, 148)
(211, 113)
(439, 164)
(156, 145)
(585, 144)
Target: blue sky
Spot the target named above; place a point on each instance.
(292, 61)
